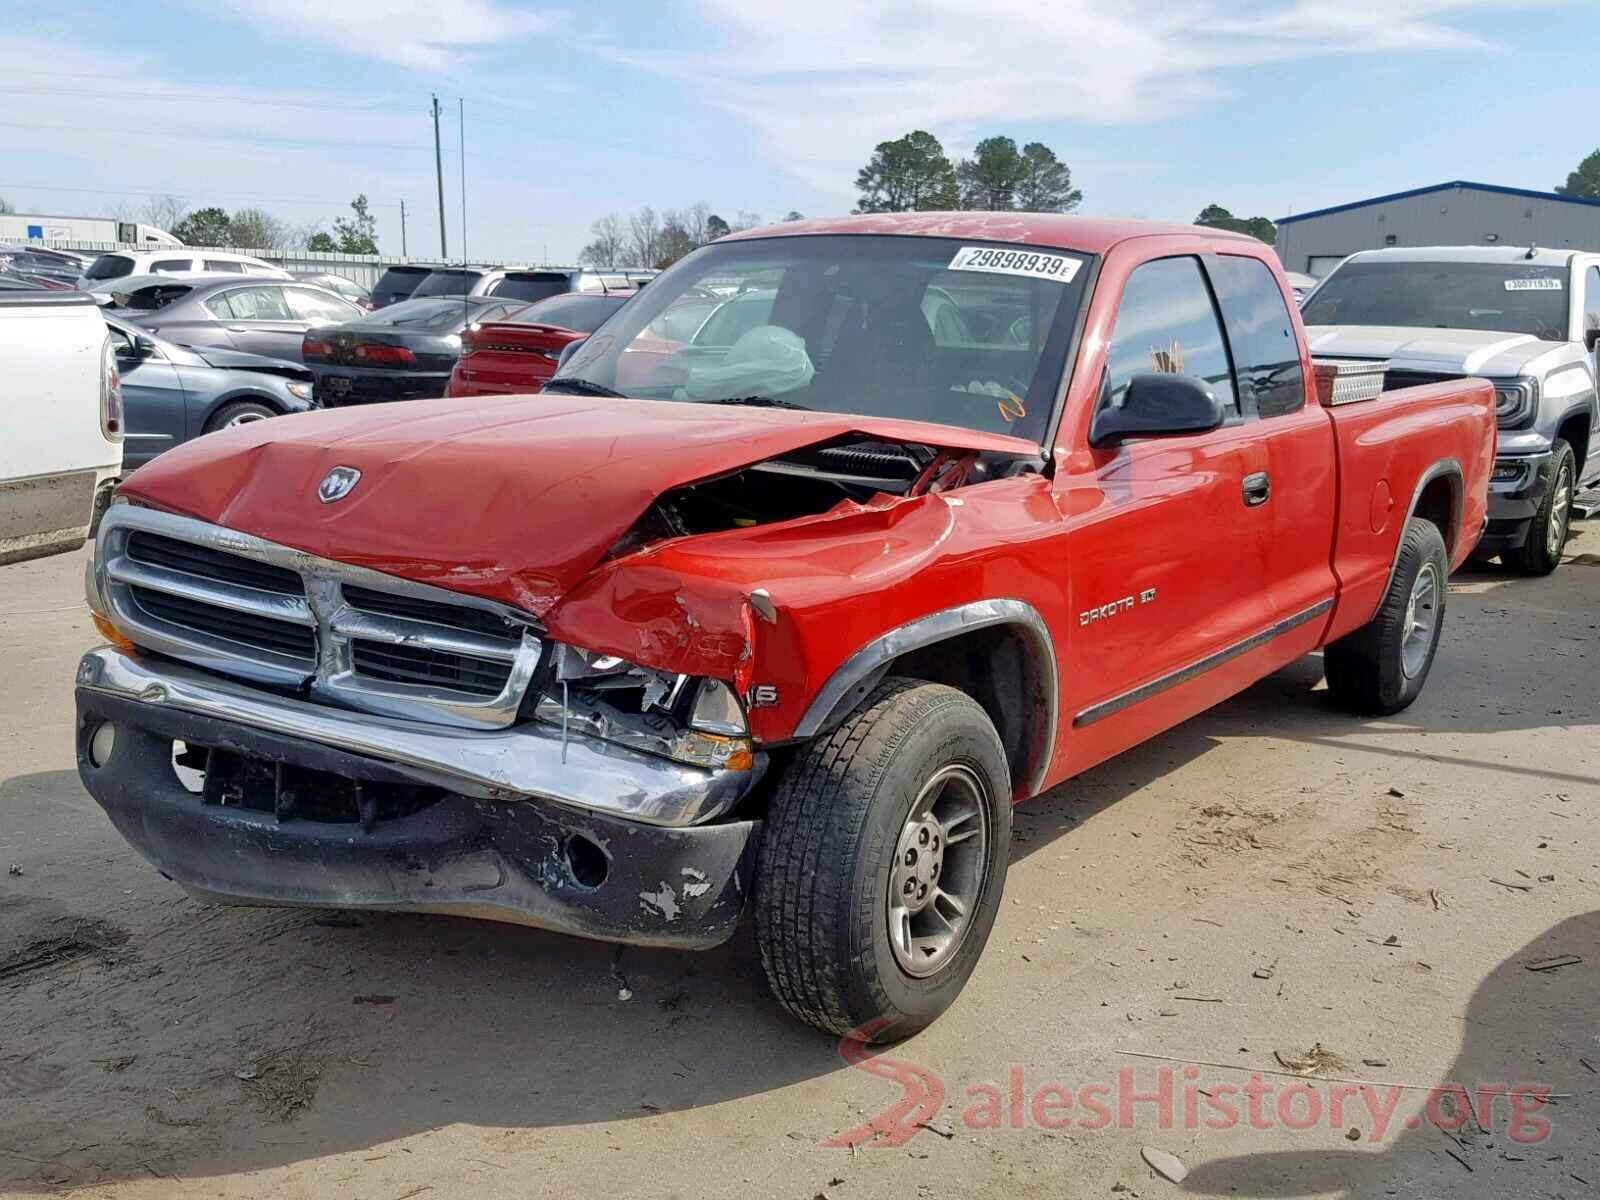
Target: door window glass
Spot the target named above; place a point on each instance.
(258, 304)
(224, 264)
(1167, 324)
(1591, 303)
(170, 264)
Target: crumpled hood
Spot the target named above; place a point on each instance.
(1468, 351)
(239, 360)
(513, 498)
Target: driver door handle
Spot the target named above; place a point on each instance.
(1257, 488)
(237, 329)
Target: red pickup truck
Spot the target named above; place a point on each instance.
(962, 505)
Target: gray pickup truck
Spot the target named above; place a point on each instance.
(1528, 320)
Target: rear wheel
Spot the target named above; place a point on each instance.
(1380, 668)
(1540, 554)
(240, 412)
(883, 862)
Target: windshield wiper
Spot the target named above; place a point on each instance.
(761, 402)
(583, 387)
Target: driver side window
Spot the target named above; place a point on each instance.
(1167, 324)
(1591, 300)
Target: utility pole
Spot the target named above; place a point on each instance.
(403, 229)
(438, 171)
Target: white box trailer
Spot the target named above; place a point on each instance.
(38, 227)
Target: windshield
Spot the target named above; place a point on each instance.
(448, 283)
(421, 314)
(1490, 296)
(584, 314)
(928, 329)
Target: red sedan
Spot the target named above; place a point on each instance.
(520, 353)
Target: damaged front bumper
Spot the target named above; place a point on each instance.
(478, 824)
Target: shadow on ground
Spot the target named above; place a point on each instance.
(1522, 1027)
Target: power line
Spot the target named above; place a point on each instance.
(192, 135)
(191, 96)
(47, 187)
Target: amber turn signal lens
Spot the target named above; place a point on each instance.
(109, 632)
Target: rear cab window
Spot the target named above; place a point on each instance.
(1167, 324)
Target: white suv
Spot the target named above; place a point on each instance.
(174, 262)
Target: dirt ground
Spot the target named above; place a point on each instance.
(1274, 886)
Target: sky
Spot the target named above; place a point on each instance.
(1159, 107)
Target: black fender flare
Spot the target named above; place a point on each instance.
(859, 674)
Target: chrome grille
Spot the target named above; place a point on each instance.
(257, 610)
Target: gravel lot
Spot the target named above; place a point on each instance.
(1267, 879)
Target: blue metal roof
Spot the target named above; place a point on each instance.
(1441, 187)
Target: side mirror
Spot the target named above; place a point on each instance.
(568, 351)
(1155, 405)
(135, 349)
(1591, 337)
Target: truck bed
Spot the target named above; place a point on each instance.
(1377, 453)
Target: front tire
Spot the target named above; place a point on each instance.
(240, 412)
(1380, 668)
(1540, 554)
(883, 861)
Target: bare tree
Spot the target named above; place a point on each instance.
(164, 211)
(256, 228)
(644, 238)
(694, 220)
(609, 244)
(675, 240)
(745, 220)
(6, 206)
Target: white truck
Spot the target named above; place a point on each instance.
(60, 424)
(1528, 320)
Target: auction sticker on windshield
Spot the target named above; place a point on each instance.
(998, 260)
(1533, 285)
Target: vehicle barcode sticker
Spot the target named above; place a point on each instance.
(1000, 261)
(1533, 285)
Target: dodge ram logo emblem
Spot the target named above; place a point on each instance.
(337, 484)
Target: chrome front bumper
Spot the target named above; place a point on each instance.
(525, 761)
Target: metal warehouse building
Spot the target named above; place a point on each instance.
(1448, 214)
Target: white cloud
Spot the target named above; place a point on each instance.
(822, 82)
(428, 35)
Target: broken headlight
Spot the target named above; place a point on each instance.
(698, 721)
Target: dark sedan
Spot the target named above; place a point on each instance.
(171, 393)
(403, 352)
(239, 312)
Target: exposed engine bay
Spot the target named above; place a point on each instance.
(812, 481)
